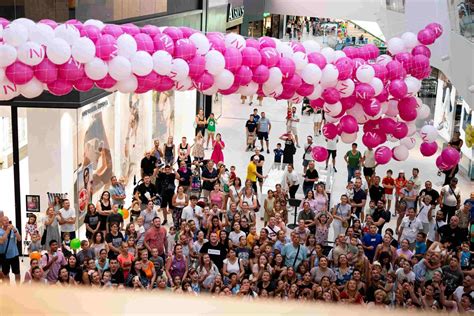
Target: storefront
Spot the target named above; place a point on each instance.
(235, 16)
(273, 25)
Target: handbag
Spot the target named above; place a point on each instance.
(43, 237)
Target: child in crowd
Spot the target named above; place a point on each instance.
(66, 245)
(371, 208)
(157, 261)
(278, 155)
(252, 236)
(420, 245)
(350, 190)
(465, 256)
(31, 227)
(107, 279)
(132, 247)
(35, 244)
(232, 175)
(388, 183)
(171, 238)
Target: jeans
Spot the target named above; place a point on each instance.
(351, 172)
(307, 186)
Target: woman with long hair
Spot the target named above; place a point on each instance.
(99, 243)
(92, 221)
(176, 264)
(350, 294)
(64, 279)
(180, 201)
(216, 196)
(323, 222)
(207, 271)
(104, 208)
(234, 191)
(169, 151)
(268, 205)
(343, 272)
(51, 228)
(321, 198)
(217, 155)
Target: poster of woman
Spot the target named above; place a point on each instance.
(32, 203)
(84, 185)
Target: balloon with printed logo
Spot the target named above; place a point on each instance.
(233, 59)
(243, 75)
(345, 88)
(371, 107)
(216, 43)
(305, 89)
(382, 155)
(348, 138)
(224, 80)
(197, 65)
(443, 166)
(201, 42)
(319, 153)
(408, 142)
(344, 66)
(31, 53)
(184, 49)
(179, 69)
(330, 130)
(106, 47)
(235, 40)
(266, 41)
(398, 88)
(400, 153)
(269, 56)
(428, 149)
(426, 36)
(151, 30)
(204, 82)
(450, 156)
(370, 139)
(173, 32)
(164, 42)
(331, 95)
(423, 112)
(332, 109)
(318, 59)
(311, 74)
(272, 91)
(436, 28)
(428, 133)
(251, 57)
(364, 91)
(287, 67)
(400, 131)
(300, 60)
(184, 84)
(71, 71)
(164, 83)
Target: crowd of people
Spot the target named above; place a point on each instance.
(207, 228)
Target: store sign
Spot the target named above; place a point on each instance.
(235, 13)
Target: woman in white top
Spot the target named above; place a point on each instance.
(232, 264)
(342, 215)
(234, 191)
(249, 197)
(425, 214)
(292, 181)
(180, 201)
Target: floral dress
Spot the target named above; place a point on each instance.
(198, 149)
(322, 232)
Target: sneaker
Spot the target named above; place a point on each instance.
(335, 170)
(394, 215)
(268, 151)
(164, 222)
(326, 167)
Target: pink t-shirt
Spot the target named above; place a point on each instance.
(53, 271)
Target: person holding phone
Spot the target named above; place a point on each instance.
(9, 255)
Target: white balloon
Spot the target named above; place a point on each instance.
(413, 85)
(410, 40)
(8, 90)
(300, 60)
(318, 90)
(358, 113)
(377, 84)
(2, 74)
(275, 78)
(332, 109)
(329, 74)
(400, 152)
(328, 53)
(67, 32)
(365, 73)
(311, 74)
(32, 89)
(179, 69)
(126, 45)
(120, 68)
(408, 142)
(383, 59)
(128, 85)
(284, 49)
(395, 45)
(15, 34)
(338, 54)
(249, 89)
(272, 91)
(411, 128)
(31, 53)
(311, 46)
(142, 63)
(348, 138)
(392, 108)
(29, 24)
(96, 23)
(423, 112)
(384, 107)
(41, 33)
(428, 133)
(96, 69)
(235, 40)
(345, 87)
(183, 85)
(201, 42)
(331, 119)
(211, 91)
(215, 62)
(58, 51)
(162, 62)
(224, 80)
(392, 139)
(8, 55)
(83, 50)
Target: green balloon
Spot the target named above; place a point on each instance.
(76, 243)
(120, 212)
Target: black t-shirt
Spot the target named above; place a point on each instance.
(358, 197)
(262, 158)
(453, 235)
(311, 174)
(208, 185)
(115, 218)
(217, 253)
(433, 193)
(117, 277)
(148, 165)
(166, 182)
(142, 188)
(92, 220)
(75, 273)
(269, 288)
(185, 177)
(251, 126)
(376, 193)
(378, 214)
(116, 241)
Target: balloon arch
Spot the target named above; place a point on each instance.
(355, 87)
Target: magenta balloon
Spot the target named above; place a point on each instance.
(147, 82)
(319, 153)
(187, 31)
(243, 75)
(60, 87)
(370, 139)
(49, 22)
(345, 66)
(267, 42)
(382, 137)
(380, 72)
(291, 84)
(443, 166)
(251, 57)
(398, 88)
(330, 130)
(287, 67)
(331, 95)
(348, 124)
(173, 32)
(407, 108)
(436, 28)
(78, 24)
(71, 71)
(112, 29)
(217, 44)
(382, 155)
(184, 49)
(318, 59)
(419, 65)
(421, 50)
(406, 59)
(450, 156)
(317, 103)
(46, 71)
(91, 31)
(383, 96)
(151, 30)
(252, 42)
(373, 50)
(348, 103)
(130, 29)
(371, 107)
(270, 56)
(426, 36)
(363, 53)
(106, 83)
(164, 42)
(357, 63)
(204, 82)
(387, 125)
(370, 125)
(395, 70)
(106, 47)
(163, 83)
(400, 131)
(286, 94)
(304, 89)
(19, 73)
(350, 51)
(428, 149)
(297, 47)
(364, 91)
(144, 42)
(261, 74)
(84, 84)
(233, 59)
(197, 65)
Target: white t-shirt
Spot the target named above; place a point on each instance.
(291, 178)
(401, 275)
(67, 214)
(423, 213)
(235, 237)
(331, 144)
(233, 267)
(450, 198)
(369, 159)
(434, 226)
(417, 184)
(273, 231)
(307, 151)
(188, 214)
(410, 228)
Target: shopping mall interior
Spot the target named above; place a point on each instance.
(170, 145)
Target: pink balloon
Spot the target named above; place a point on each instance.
(363, 53)
(357, 63)
(46, 71)
(78, 24)
(398, 88)
(387, 125)
(406, 59)
(350, 51)
(407, 109)
(106, 47)
(291, 84)
(371, 107)
(173, 32)
(243, 75)
(395, 70)
(428, 149)
(421, 50)
(164, 42)
(317, 59)
(287, 67)
(373, 50)
(267, 42)
(319, 153)
(400, 131)
(330, 130)
(151, 30)
(364, 91)
(443, 166)
(450, 156)
(270, 56)
(382, 155)
(251, 57)
(317, 103)
(19, 73)
(426, 36)
(60, 87)
(252, 42)
(345, 67)
(71, 71)
(370, 139)
(204, 82)
(348, 103)
(163, 83)
(197, 65)
(420, 64)
(436, 28)
(233, 59)
(304, 89)
(381, 71)
(231, 90)
(187, 31)
(331, 95)
(217, 43)
(49, 22)
(348, 124)
(261, 74)
(383, 96)
(370, 126)
(184, 49)
(130, 29)
(112, 29)
(144, 42)
(106, 83)
(84, 84)
(297, 47)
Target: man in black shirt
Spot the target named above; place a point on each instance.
(114, 217)
(260, 164)
(358, 200)
(380, 216)
(147, 191)
(216, 251)
(376, 191)
(184, 176)
(167, 186)
(116, 272)
(452, 233)
(250, 128)
(428, 190)
(209, 176)
(310, 178)
(148, 165)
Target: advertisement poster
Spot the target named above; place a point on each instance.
(461, 17)
(466, 119)
(163, 108)
(445, 108)
(84, 187)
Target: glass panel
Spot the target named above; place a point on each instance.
(7, 200)
(461, 15)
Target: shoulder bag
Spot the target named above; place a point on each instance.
(3, 256)
(296, 257)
